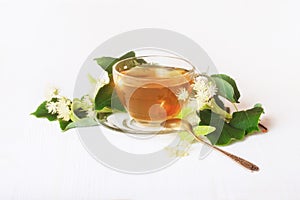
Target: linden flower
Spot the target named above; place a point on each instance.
(86, 100)
(205, 90)
(63, 109)
(100, 82)
(90, 113)
(212, 89)
(51, 107)
(202, 100)
(200, 83)
(182, 94)
(53, 92)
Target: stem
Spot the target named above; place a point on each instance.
(263, 128)
(215, 108)
(235, 107)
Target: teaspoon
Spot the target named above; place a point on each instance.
(179, 124)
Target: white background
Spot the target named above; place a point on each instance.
(44, 43)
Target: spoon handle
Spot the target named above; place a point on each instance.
(237, 159)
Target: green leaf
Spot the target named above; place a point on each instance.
(224, 88)
(241, 124)
(258, 105)
(204, 130)
(199, 130)
(42, 112)
(85, 122)
(117, 105)
(103, 97)
(247, 120)
(141, 61)
(185, 111)
(130, 54)
(224, 133)
(107, 62)
(105, 110)
(63, 124)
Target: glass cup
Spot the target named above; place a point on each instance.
(153, 88)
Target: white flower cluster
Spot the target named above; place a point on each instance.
(61, 106)
(204, 90)
(182, 94)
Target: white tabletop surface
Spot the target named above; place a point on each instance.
(44, 43)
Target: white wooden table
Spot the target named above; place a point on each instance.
(44, 43)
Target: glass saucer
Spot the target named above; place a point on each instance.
(122, 122)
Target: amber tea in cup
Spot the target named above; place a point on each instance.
(153, 88)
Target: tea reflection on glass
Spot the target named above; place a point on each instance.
(155, 91)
